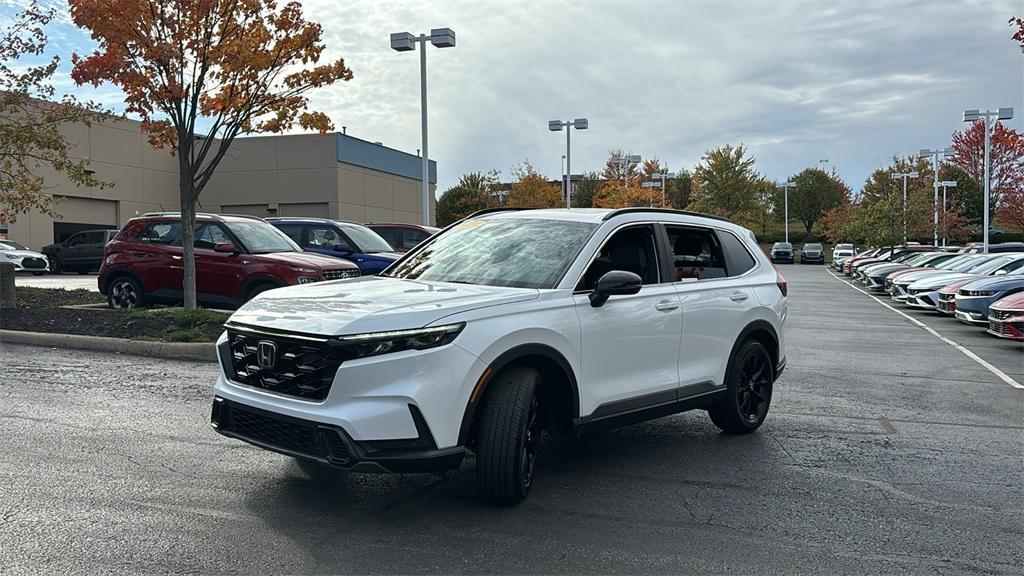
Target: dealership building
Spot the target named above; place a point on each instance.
(330, 175)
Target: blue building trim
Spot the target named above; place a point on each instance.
(381, 158)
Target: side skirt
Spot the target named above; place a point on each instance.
(642, 408)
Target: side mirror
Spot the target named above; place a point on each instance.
(342, 247)
(1000, 272)
(615, 283)
(225, 247)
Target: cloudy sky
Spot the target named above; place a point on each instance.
(796, 82)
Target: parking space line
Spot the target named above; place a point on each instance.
(981, 361)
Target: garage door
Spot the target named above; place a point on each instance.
(259, 210)
(309, 210)
(102, 213)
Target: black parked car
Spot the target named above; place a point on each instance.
(81, 252)
(782, 252)
(812, 254)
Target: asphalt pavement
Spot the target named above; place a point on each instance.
(886, 451)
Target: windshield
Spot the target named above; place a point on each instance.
(366, 240)
(991, 265)
(812, 246)
(521, 253)
(844, 246)
(11, 245)
(783, 246)
(259, 237)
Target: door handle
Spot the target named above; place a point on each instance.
(738, 296)
(175, 256)
(666, 306)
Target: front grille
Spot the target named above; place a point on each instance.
(303, 369)
(946, 297)
(33, 263)
(998, 328)
(999, 314)
(281, 433)
(340, 274)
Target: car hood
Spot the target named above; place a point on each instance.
(369, 304)
(996, 283)
(308, 259)
(938, 280)
(385, 255)
(882, 268)
(911, 277)
(1011, 302)
(23, 253)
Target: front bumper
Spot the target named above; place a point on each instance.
(1011, 327)
(329, 444)
(30, 265)
(925, 300)
(971, 317)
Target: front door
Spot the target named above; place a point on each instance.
(218, 274)
(630, 345)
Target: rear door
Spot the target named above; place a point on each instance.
(630, 344)
(709, 267)
(156, 256)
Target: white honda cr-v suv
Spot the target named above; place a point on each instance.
(502, 326)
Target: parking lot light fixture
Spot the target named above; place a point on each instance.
(935, 154)
(785, 211)
(905, 176)
(404, 42)
(627, 162)
(556, 126)
(945, 184)
(987, 116)
(662, 177)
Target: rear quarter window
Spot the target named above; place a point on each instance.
(737, 258)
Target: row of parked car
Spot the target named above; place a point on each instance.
(811, 253)
(983, 289)
(236, 257)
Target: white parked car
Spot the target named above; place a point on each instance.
(841, 252)
(500, 327)
(24, 260)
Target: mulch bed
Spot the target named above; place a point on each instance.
(41, 310)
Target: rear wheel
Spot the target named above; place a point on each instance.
(749, 391)
(509, 440)
(124, 292)
(259, 289)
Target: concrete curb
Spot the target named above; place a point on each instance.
(198, 352)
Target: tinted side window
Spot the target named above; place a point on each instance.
(696, 253)
(166, 233)
(209, 235)
(412, 238)
(76, 239)
(632, 249)
(390, 235)
(324, 237)
(738, 260)
(293, 231)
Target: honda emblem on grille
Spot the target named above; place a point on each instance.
(266, 354)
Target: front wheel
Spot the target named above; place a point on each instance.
(124, 293)
(749, 390)
(38, 273)
(55, 265)
(510, 435)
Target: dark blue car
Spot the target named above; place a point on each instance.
(348, 240)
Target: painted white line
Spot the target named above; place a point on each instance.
(981, 361)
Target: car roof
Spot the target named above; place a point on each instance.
(599, 215)
(313, 220)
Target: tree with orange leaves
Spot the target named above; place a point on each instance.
(532, 190)
(615, 195)
(227, 66)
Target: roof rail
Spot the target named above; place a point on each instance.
(620, 211)
(210, 214)
(493, 210)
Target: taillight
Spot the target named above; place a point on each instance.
(780, 281)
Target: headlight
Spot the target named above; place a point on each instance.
(374, 343)
(976, 292)
(305, 270)
(13, 256)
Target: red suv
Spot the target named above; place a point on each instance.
(237, 257)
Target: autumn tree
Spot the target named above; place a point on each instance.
(816, 192)
(31, 119)
(458, 202)
(226, 67)
(725, 182)
(967, 197)
(614, 195)
(585, 189)
(621, 171)
(532, 190)
(1006, 159)
(1018, 34)
(764, 200)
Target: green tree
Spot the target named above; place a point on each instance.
(679, 189)
(816, 192)
(968, 196)
(458, 202)
(585, 190)
(765, 192)
(725, 183)
(31, 121)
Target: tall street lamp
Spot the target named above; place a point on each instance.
(662, 176)
(904, 176)
(786, 186)
(987, 116)
(404, 42)
(562, 175)
(626, 161)
(935, 155)
(945, 184)
(556, 126)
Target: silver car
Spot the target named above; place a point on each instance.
(24, 260)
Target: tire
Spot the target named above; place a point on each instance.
(55, 266)
(124, 292)
(83, 271)
(509, 439)
(259, 289)
(38, 273)
(749, 390)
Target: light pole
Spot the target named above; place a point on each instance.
(661, 176)
(556, 126)
(626, 161)
(821, 164)
(904, 176)
(945, 184)
(404, 42)
(971, 116)
(934, 154)
(785, 211)
(563, 176)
